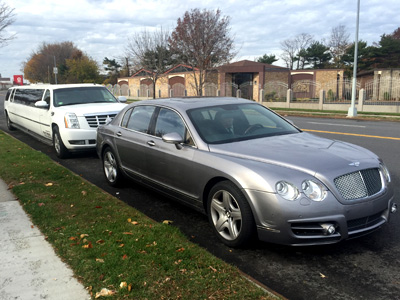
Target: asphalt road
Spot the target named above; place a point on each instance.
(363, 268)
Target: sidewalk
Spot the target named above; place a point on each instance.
(29, 267)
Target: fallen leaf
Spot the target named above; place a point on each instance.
(130, 287)
(180, 249)
(73, 238)
(123, 284)
(99, 206)
(134, 222)
(322, 275)
(121, 245)
(104, 293)
(124, 256)
(41, 204)
(100, 260)
(84, 193)
(130, 233)
(213, 269)
(129, 220)
(88, 246)
(100, 242)
(49, 184)
(83, 235)
(167, 222)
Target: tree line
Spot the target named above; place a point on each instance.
(304, 52)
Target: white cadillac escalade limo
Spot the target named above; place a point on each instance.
(65, 116)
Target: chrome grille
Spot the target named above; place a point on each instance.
(359, 184)
(95, 121)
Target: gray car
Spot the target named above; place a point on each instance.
(251, 171)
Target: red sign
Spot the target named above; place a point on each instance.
(18, 80)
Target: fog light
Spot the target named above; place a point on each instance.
(328, 229)
(393, 208)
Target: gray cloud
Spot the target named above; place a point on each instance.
(101, 27)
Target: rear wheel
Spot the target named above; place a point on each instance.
(111, 168)
(59, 147)
(230, 214)
(9, 123)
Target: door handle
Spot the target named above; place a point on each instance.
(151, 143)
(119, 133)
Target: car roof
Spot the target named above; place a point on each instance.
(57, 86)
(194, 102)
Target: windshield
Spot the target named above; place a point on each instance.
(236, 122)
(82, 95)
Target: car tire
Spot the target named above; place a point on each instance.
(58, 145)
(230, 214)
(9, 123)
(111, 169)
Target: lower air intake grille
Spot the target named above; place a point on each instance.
(359, 184)
(97, 120)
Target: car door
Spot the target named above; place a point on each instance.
(171, 166)
(132, 139)
(45, 116)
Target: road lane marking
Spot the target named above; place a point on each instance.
(344, 125)
(355, 134)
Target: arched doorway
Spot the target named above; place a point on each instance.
(177, 86)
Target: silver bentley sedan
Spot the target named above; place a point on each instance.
(251, 171)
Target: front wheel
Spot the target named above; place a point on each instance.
(59, 147)
(111, 169)
(230, 214)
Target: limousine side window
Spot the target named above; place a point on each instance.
(7, 95)
(47, 97)
(28, 96)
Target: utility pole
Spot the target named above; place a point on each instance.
(353, 110)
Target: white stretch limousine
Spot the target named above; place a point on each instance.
(65, 115)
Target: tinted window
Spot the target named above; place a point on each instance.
(8, 95)
(140, 118)
(169, 121)
(47, 97)
(28, 96)
(82, 95)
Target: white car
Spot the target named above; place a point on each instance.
(65, 115)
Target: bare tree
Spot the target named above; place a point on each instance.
(294, 49)
(202, 40)
(338, 44)
(151, 52)
(6, 19)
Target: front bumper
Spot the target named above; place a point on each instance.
(303, 222)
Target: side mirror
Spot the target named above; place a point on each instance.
(41, 104)
(173, 138)
(122, 99)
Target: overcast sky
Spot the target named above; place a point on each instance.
(101, 27)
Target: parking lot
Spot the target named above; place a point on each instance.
(363, 268)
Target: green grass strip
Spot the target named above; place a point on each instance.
(108, 243)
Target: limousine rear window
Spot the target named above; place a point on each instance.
(82, 95)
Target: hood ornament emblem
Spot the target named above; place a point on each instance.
(355, 164)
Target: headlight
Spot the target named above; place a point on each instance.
(385, 172)
(314, 191)
(287, 190)
(71, 121)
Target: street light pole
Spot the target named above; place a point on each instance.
(353, 110)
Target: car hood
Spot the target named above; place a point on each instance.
(302, 151)
(92, 108)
